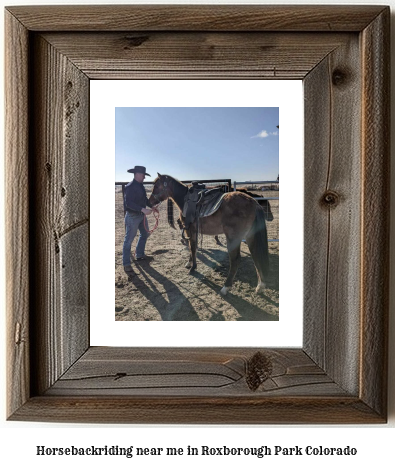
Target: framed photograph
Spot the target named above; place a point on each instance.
(220, 133)
(339, 374)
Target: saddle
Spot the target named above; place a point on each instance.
(200, 202)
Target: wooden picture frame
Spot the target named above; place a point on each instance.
(340, 374)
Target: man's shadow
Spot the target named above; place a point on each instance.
(166, 308)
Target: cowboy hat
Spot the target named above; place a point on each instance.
(138, 169)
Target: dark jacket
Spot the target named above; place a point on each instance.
(135, 197)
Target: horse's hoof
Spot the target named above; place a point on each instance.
(192, 270)
(224, 290)
(260, 288)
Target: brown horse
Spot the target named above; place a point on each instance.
(262, 202)
(238, 217)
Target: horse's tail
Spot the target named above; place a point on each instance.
(258, 245)
(170, 213)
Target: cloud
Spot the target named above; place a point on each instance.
(263, 134)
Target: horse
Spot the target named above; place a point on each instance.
(262, 202)
(238, 217)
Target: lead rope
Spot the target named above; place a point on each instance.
(156, 215)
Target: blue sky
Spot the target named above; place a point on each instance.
(198, 143)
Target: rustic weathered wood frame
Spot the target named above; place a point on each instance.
(340, 374)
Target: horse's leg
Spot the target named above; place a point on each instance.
(189, 263)
(192, 247)
(234, 258)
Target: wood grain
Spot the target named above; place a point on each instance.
(196, 17)
(17, 213)
(134, 385)
(196, 55)
(332, 127)
(339, 376)
(206, 372)
(317, 151)
(60, 248)
(198, 410)
(376, 211)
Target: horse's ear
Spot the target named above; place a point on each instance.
(159, 174)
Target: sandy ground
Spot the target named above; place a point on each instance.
(162, 289)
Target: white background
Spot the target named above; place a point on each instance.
(18, 441)
(108, 94)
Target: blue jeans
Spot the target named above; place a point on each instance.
(134, 222)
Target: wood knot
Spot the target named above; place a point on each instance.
(330, 199)
(259, 369)
(340, 77)
(135, 41)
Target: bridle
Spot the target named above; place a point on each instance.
(158, 196)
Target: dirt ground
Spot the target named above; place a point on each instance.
(162, 289)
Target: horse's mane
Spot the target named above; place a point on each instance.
(171, 177)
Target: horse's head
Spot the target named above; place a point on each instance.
(161, 189)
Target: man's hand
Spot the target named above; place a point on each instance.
(146, 211)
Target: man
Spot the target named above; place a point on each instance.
(135, 202)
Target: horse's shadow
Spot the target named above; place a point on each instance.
(245, 274)
(246, 310)
(215, 259)
(165, 307)
(219, 261)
